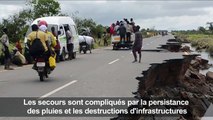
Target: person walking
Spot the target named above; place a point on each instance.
(137, 44)
(5, 48)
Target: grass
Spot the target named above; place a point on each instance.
(200, 41)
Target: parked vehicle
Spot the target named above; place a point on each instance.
(59, 22)
(86, 43)
(83, 47)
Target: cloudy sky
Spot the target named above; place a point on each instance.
(158, 14)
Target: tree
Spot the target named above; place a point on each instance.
(210, 26)
(85, 24)
(45, 8)
(201, 29)
(17, 24)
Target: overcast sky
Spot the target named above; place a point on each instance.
(148, 14)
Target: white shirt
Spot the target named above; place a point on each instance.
(4, 41)
(69, 35)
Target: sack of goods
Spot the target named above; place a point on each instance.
(52, 62)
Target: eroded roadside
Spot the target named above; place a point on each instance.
(177, 78)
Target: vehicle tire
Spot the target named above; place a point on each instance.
(41, 76)
(63, 55)
(114, 47)
(74, 55)
(85, 51)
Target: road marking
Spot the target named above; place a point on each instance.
(113, 61)
(58, 89)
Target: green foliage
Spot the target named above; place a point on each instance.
(18, 23)
(84, 24)
(200, 41)
(202, 29)
(45, 8)
(88, 24)
(211, 27)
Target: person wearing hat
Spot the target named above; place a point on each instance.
(5, 48)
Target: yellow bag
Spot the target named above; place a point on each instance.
(52, 62)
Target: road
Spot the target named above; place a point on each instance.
(104, 73)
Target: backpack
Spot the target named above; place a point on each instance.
(37, 47)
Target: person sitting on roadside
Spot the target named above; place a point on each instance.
(19, 46)
(18, 58)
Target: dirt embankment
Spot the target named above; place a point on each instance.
(176, 79)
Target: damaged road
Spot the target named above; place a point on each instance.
(175, 78)
(104, 73)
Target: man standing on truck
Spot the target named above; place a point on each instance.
(129, 31)
(122, 33)
(137, 44)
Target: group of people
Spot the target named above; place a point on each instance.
(49, 41)
(16, 57)
(50, 45)
(123, 28)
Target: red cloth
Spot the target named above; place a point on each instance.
(112, 32)
(19, 47)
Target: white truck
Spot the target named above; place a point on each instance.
(117, 44)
